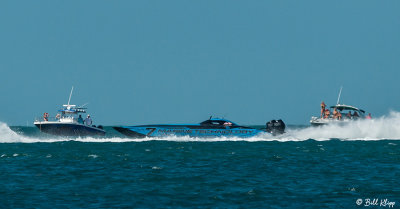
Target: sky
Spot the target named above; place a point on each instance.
(178, 61)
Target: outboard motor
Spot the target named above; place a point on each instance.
(276, 127)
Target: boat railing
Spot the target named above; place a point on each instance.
(343, 118)
(42, 119)
(56, 118)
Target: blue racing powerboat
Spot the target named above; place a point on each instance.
(213, 127)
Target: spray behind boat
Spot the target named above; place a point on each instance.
(275, 127)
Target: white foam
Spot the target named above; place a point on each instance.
(7, 135)
(386, 127)
(93, 156)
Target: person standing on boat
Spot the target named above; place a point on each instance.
(323, 109)
(80, 119)
(88, 120)
(46, 116)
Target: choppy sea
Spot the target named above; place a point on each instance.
(353, 166)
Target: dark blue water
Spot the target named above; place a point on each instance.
(195, 174)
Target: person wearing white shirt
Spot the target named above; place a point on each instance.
(88, 121)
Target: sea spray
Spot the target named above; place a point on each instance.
(385, 127)
(7, 135)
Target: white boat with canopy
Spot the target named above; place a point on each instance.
(342, 114)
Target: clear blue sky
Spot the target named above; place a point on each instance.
(139, 62)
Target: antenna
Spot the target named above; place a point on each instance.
(340, 92)
(70, 95)
(84, 105)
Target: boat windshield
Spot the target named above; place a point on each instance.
(217, 122)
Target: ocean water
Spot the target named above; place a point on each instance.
(354, 166)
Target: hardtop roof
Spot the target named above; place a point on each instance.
(342, 107)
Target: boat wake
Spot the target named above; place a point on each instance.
(383, 128)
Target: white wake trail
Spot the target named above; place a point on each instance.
(385, 127)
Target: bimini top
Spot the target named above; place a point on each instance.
(342, 107)
(218, 121)
(72, 109)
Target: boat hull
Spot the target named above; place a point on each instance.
(68, 129)
(190, 130)
(321, 122)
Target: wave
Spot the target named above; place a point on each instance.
(382, 128)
